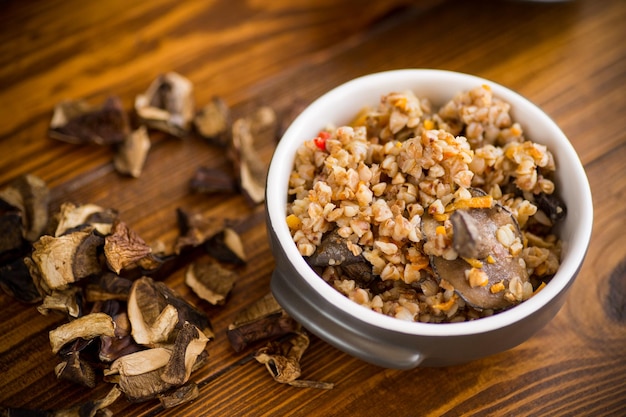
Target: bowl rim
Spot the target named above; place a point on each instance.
(277, 197)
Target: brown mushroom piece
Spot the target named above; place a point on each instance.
(486, 268)
(75, 121)
(155, 311)
(334, 251)
(210, 280)
(282, 360)
(29, 195)
(250, 169)
(195, 229)
(213, 121)
(74, 369)
(72, 217)
(208, 180)
(68, 301)
(190, 343)
(138, 374)
(86, 327)
(63, 260)
(263, 319)
(124, 248)
(227, 246)
(167, 104)
(122, 342)
(109, 286)
(132, 153)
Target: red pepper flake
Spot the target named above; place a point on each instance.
(320, 140)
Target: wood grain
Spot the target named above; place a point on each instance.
(567, 57)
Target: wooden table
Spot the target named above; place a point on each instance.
(568, 57)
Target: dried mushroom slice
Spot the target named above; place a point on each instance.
(75, 121)
(227, 246)
(138, 374)
(213, 121)
(109, 286)
(30, 195)
(167, 104)
(123, 248)
(72, 217)
(132, 153)
(63, 260)
(152, 318)
(195, 229)
(488, 272)
(263, 319)
(86, 327)
(155, 311)
(250, 169)
(282, 360)
(68, 301)
(190, 343)
(333, 250)
(210, 281)
(11, 235)
(208, 180)
(76, 370)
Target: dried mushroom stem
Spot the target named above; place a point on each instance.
(86, 327)
(282, 360)
(190, 343)
(250, 168)
(263, 319)
(132, 153)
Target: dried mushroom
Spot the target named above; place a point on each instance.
(72, 217)
(123, 248)
(190, 343)
(167, 104)
(210, 281)
(76, 370)
(68, 301)
(213, 121)
(86, 327)
(195, 229)
(63, 260)
(75, 121)
(138, 374)
(282, 360)
(263, 319)
(227, 246)
(212, 180)
(488, 272)
(11, 230)
(30, 195)
(250, 169)
(109, 286)
(154, 311)
(132, 153)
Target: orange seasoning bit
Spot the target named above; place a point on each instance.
(539, 288)
(294, 222)
(447, 305)
(440, 230)
(483, 201)
(475, 263)
(429, 124)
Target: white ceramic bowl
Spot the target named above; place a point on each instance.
(384, 340)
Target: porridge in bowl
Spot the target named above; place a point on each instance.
(428, 214)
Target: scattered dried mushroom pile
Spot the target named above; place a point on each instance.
(124, 325)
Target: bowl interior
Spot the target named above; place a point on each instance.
(339, 105)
